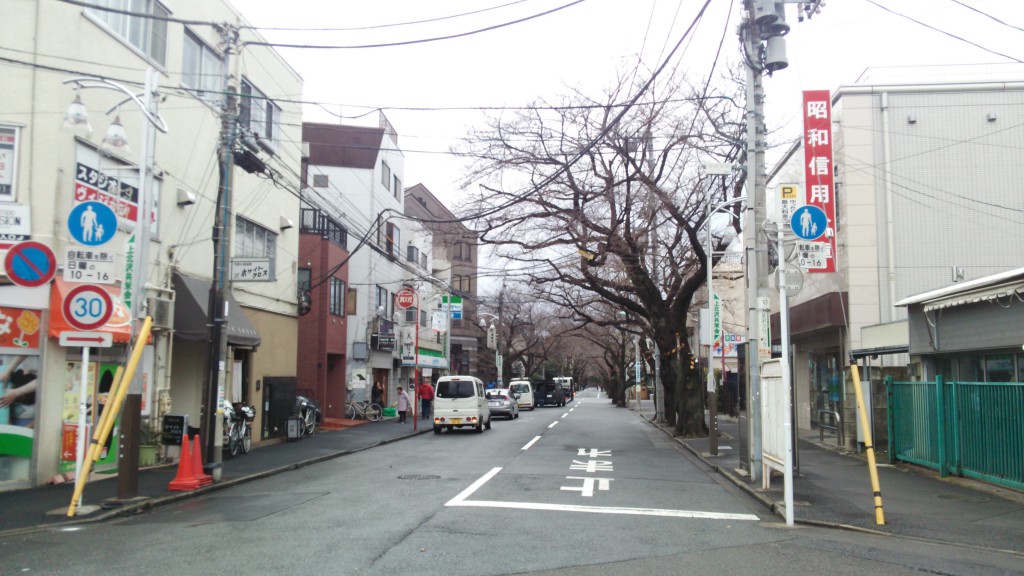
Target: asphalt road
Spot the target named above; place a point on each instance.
(583, 490)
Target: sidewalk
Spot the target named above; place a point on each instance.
(47, 506)
(832, 487)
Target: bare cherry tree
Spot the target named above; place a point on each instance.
(603, 201)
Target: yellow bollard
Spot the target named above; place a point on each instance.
(106, 424)
(869, 446)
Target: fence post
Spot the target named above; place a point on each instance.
(890, 409)
(940, 422)
(957, 468)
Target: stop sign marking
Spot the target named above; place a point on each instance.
(405, 298)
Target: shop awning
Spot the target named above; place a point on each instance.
(974, 296)
(119, 325)
(190, 300)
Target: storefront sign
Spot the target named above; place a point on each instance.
(819, 176)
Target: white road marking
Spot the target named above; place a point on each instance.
(473, 487)
(553, 424)
(566, 414)
(530, 443)
(460, 500)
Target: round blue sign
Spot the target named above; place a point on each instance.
(809, 222)
(92, 223)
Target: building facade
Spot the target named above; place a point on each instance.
(927, 192)
(455, 254)
(82, 194)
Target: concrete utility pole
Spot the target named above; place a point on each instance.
(217, 314)
(762, 38)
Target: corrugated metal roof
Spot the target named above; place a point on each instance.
(987, 288)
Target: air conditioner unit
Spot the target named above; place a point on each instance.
(162, 311)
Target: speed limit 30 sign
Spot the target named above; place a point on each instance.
(87, 307)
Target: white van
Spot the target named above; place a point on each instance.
(460, 401)
(523, 391)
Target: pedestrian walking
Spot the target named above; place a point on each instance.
(426, 399)
(402, 405)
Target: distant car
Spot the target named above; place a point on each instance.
(503, 403)
(549, 394)
(523, 391)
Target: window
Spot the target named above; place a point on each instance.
(337, 304)
(412, 254)
(255, 241)
(424, 321)
(393, 241)
(320, 181)
(202, 69)
(999, 368)
(303, 279)
(385, 174)
(259, 114)
(382, 299)
(8, 163)
(423, 260)
(410, 314)
(398, 188)
(148, 35)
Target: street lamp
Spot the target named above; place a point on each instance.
(115, 137)
(497, 341)
(712, 398)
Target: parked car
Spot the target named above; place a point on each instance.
(523, 391)
(503, 402)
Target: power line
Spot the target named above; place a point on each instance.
(411, 42)
(394, 25)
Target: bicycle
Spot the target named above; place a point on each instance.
(368, 410)
(238, 428)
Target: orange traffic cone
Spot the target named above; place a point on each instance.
(185, 479)
(197, 462)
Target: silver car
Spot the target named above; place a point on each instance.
(503, 402)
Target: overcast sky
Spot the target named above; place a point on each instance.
(585, 43)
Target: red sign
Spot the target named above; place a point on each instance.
(405, 298)
(819, 255)
(30, 264)
(87, 307)
(22, 330)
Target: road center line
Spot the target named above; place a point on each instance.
(566, 414)
(530, 443)
(553, 424)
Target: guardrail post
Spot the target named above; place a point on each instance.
(940, 421)
(891, 416)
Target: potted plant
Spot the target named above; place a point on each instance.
(149, 446)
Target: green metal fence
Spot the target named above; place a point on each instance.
(973, 429)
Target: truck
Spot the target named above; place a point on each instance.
(566, 384)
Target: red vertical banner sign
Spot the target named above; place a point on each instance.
(819, 175)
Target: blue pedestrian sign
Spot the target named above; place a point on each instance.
(92, 223)
(809, 222)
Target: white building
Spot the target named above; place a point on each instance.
(928, 192)
(49, 176)
(360, 171)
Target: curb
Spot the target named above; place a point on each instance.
(145, 504)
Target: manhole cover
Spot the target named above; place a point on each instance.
(419, 477)
(967, 499)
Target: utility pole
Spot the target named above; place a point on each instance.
(762, 38)
(217, 314)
